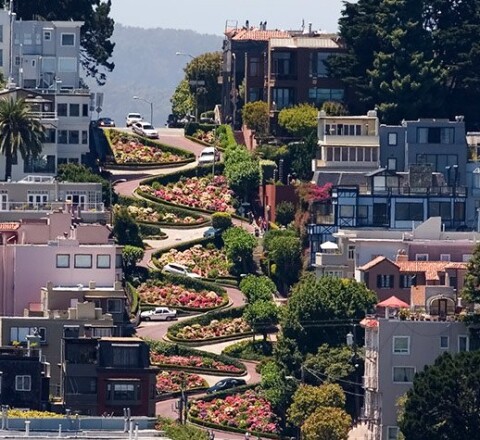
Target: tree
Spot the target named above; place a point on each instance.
(183, 102)
(285, 252)
(308, 398)
(73, 172)
(97, 48)
(177, 431)
(20, 133)
(221, 220)
(301, 155)
(285, 213)
(262, 315)
(256, 116)
(332, 362)
(316, 303)
(131, 255)
(257, 288)
(125, 228)
(239, 245)
(443, 402)
(206, 68)
(471, 287)
(327, 423)
(299, 120)
(334, 108)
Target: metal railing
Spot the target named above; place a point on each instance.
(50, 206)
(43, 115)
(459, 191)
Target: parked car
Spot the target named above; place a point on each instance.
(224, 384)
(212, 232)
(146, 129)
(159, 314)
(132, 118)
(105, 122)
(208, 155)
(180, 269)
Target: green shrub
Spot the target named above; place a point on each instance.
(148, 230)
(285, 213)
(249, 350)
(192, 127)
(221, 220)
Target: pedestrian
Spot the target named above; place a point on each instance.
(247, 436)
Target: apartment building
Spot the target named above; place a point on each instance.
(106, 375)
(41, 60)
(282, 68)
(395, 350)
(56, 250)
(34, 196)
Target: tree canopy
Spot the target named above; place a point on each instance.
(97, 47)
(444, 402)
(317, 303)
(239, 245)
(257, 288)
(471, 287)
(299, 120)
(327, 423)
(421, 59)
(256, 117)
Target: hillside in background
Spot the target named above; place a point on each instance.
(146, 66)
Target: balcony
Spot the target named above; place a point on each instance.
(50, 206)
(43, 115)
(333, 140)
(330, 259)
(439, 191)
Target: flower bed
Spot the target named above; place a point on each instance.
(207, 193)
(209, 263)
(246, 411)
(151, 215)
(171, 382)
(193, 362)
(158, 293)
(215, 329)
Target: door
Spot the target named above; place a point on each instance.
(78, 200)
(442, 307)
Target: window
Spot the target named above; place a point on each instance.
(380, 214)
(80, 385)
(23, 383)
(444, 342)
(435, 135)
(63, 261)
(123, 392)
(101, 332)
(318, 67)
(74, 109)
(440, 209)
(126, 355)
(73, 137)
(403, 374)
(20, 333)
(334, 273)
(401, 344)
(114, 306)
(254, 65)
(67, 64)
(392, 164)
(1, 33)
(68, 39)
(49, 64)
(62, 136)
(282, 63)
(421, 257)
(392, 139)
(384, 281)
(406, 281)
(351, 252)
(62, 110)
(444, 257)
(282, 97)
(1, 57)
(463, 343)
(347, 211)
(319, 96)
(362, 211)
(254, 94)
(103, 261)
(50, 135)
(459, 211)
(83, 261)
(409, 211)
(85, 110)
(27, 39)
(118, 261)
(466, 258)
(84, 137)
(47, 35)
(392, 433)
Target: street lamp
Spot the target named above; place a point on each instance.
(151, 106)
(196, 81)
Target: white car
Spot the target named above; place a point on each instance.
(180, 269)
(159, 314)
(208, 155)
(132, 118)
(145, 129)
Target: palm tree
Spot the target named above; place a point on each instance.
(19, 132)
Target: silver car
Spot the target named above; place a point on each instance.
(180, 269)
(159, 314)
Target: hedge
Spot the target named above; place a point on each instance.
(189, 157)
(151, 229)
(180, 350)
(181, 247)
(204, 319)
(222, 395)
(192, 127)
(161, 207)
(188, 283)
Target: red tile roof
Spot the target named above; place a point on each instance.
(258, 35)
(9, 226)
(373, 263)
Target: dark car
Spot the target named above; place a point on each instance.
(225, 384)
(106, 122)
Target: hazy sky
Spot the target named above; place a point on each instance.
(210, 16)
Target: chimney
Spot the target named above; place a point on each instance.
(310, 27)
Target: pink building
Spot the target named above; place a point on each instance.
(35, 252)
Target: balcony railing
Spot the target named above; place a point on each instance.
(50, 206)
(446, 191)
(43, 115)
